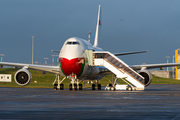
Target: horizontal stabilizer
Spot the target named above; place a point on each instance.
(55, 51)
(128, 53)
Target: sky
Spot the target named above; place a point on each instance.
(127, 25)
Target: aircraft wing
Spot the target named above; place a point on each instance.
(128, 53)
(44, 68)
(149, 66)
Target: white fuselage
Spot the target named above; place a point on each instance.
(73, 58)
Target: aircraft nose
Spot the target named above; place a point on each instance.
(72, 66)
(72, 58)
(71, 52)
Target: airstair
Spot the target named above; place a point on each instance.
(119, 68)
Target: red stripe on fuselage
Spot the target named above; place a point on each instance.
(72, 66)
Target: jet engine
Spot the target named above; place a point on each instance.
(22, 77)
(147, 76)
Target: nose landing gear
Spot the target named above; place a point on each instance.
(75, 83)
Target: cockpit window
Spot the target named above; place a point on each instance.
(68, 43)
(72, 43)
(76, 43)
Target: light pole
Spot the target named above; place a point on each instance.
(2, 56)
(57, 60)
(32, 48)
(52, 60)
(46, 60)
(167, 67)
(89, 33)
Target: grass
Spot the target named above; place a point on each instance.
(45, 81)
(160, 80)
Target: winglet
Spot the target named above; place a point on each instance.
(97, 28)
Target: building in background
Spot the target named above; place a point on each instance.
(177, 60)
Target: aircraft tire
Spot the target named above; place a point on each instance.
(112, 88)
(93, 86)
(80, 87)
(99, 86)
(55, 86)
(130, 88)
(75, 86)
(61, 86)
(70, 87)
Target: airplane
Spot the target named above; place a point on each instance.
(79, 61)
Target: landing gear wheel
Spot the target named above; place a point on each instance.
(130, 88)
(99, 86)
(112, 88)
(70, 87)
(93, 86)
(55, 86)
(75, 86)
(61, 86)
(80, 87)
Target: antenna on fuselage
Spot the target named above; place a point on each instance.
(97, 28)
(89, 33)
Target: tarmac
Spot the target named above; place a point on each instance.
(157, 102)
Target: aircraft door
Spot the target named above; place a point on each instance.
(89, 54)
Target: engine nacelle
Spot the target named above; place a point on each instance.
(22, 77)
(147, 76)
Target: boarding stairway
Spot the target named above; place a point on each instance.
(119, 68)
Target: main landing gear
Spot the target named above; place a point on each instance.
(76, 87)
(94, 87)
(75, 84)
(59, 85)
